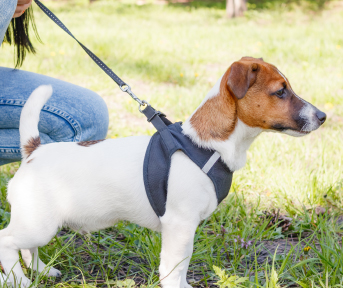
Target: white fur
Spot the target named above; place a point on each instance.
(292, 133)
(308, 113)
(233, 150)
(28, 127)
(90, 188)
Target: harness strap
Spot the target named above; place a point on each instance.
(209, 164)
(157, 118)
(95, 58)
(160, 122)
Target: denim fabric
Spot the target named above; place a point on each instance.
(7, 9)
(72, 113)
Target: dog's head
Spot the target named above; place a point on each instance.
(252, 96)
(265, 99)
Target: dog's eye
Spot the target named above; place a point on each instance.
(280, 93)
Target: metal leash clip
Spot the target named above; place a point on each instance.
(126, 88)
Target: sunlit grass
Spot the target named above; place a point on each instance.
(171, 56)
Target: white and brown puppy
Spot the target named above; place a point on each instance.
(92, 185)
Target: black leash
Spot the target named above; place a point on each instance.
(168, 143)
(122, 85)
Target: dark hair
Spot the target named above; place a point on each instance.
(18, 34)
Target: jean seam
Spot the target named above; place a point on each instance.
(9, 150)
(48, 108)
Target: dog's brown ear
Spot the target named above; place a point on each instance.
(242, 76)
(249, 58)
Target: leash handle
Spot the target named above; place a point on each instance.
(122, 85)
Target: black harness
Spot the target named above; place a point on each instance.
(163, 144)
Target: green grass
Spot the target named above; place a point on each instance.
(172, 55)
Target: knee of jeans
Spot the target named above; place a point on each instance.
(95, 120)
(7, 11)
(81, 116)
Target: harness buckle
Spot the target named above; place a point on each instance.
(159, 113)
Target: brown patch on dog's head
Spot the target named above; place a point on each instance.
(269, 101)
(89, 143)
(31, 146)
(248, 58)
(216, 118)
(258, 94)
(30, 161)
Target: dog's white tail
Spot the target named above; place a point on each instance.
(29, 118)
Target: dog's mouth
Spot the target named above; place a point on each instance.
(281, 128)
(289, 130)
(303, 132)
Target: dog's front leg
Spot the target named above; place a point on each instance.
(177, 248)
(31, 260)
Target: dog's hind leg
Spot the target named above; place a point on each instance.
(31, 260)
(26, 230)
(9, 259)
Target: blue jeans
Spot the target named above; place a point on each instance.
(7, 8)
(73, 113)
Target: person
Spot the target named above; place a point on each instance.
(73, 113)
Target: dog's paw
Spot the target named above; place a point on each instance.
(2, 281)
(53, 272)
(5, 282)
(24, 283)
(11, 283)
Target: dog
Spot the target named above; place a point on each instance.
(91, 185)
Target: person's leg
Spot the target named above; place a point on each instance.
(7, 8)
(73, 113)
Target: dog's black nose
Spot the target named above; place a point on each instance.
(321, 116)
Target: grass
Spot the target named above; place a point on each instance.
(172, 55)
